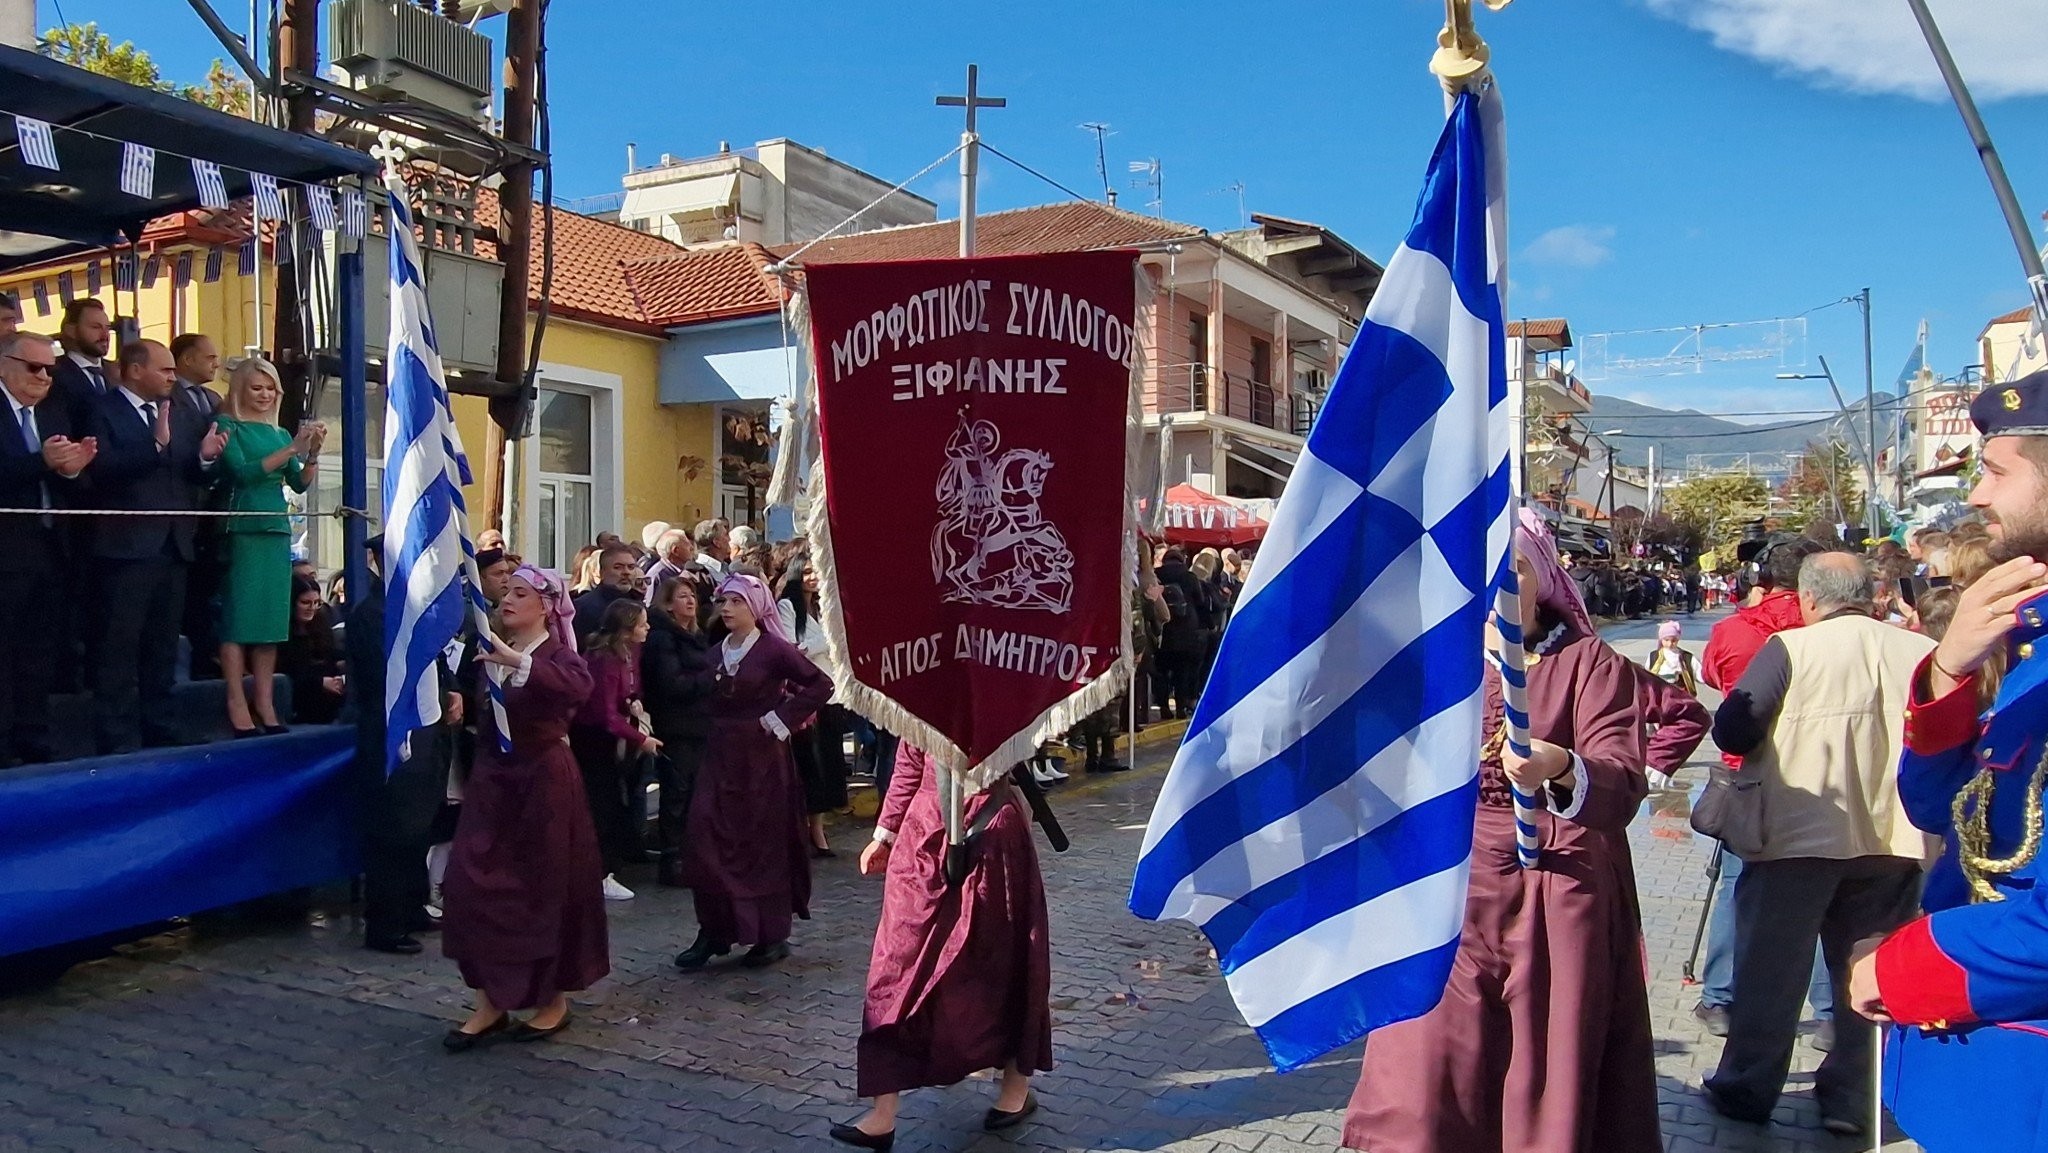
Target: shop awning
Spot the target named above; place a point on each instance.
(685, 199)
(46, 214)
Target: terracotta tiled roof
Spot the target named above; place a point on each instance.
(707, 284)
(1077, 226)
(1554, 329)
(2016, 316)
(590, 265)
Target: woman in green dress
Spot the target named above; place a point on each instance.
(256, 598)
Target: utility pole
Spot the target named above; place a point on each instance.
(509, 409)
(298, 50)
(970, 149)
(1870, 524)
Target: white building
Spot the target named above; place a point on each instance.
(777, 192)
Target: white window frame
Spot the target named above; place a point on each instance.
(606, 391)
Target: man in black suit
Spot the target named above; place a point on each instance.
(39, 465)
(82, 376)
(198, 364)
(153, 455)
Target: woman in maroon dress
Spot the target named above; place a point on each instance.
(960, 978)
(525, 912)
(747, 856)
(1542, 1042)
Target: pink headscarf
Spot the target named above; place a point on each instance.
(755, 592)
(1555, 588)
(554, 595)
(1670, 630)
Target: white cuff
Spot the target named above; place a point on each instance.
(884, 836)
(775, 727)
(1569, 811)
(525, 670)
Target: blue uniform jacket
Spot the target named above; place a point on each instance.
(1968, 1067)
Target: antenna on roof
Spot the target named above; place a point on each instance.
(1244, 219)
(1101, 132)
(1154, 179)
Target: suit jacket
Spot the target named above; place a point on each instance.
(72, 389)
(131, 473)
(23, 476)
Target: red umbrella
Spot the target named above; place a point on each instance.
(1193, 517)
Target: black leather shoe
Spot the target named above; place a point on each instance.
(245, 734)
(523, 1033)
(850, 1135)
(420, 922)
(402, 945)
(700, 952)
(998, 1120)
(762, 956)
(1112, 765)
(275, 730)
(457, 1041)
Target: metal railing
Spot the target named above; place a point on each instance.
(1198, 388)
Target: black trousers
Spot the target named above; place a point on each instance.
(399, 814)
(201, 620)
(29, 608)
(1781, 908)
(604, 786)
(1178, 675)
(142, 603)
(675, 770)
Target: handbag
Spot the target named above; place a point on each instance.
(1731, 811)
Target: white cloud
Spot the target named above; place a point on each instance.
(1874, 46)
(1574, 246)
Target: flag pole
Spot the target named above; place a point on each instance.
(1461, 62)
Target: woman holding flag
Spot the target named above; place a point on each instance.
(1542, 1041)
(525, 914)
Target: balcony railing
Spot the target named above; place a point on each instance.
(1196, 388)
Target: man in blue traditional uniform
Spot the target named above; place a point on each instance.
(1967, 983)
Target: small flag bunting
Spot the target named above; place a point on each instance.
(245, 260)
(213, 191)
(355, 213)
(124, 272)
(213, 263)
(269, 204)
(151, 268)
(42, 298)
(92, 276)
(64, 287)
(138, 170)
(320, 205)
(181, 271)
(37, 148)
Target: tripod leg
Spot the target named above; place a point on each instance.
(1699, 931)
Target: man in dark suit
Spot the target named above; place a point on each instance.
(198, 364)
(81, 377)
(153, 455)
(39, 465)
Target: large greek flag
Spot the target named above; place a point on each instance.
(1317, 823)
(430, 579)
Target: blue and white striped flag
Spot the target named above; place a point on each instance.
(320, 206)
(1317, 823)
(38, 148)
(269, 202)
(431, 583)
(213, 190)
(138, 170)
(355, 212)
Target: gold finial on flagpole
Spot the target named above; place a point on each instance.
(1461, 56)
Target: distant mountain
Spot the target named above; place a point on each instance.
(1684, 432)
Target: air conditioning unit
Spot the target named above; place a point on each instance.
(393, 50)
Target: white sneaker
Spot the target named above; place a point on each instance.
(1659, 780)
(1052, 769)
(613, 891)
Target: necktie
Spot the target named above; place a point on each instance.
(99, 379)
(34, 440)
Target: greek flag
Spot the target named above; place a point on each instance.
(1317, 822)
(430, 577)
(355, 213)
(138, 170)
(213, 190)
(269, 202)
(38, 148)
(320, 205)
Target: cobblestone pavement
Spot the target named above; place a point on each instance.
(244, 1035)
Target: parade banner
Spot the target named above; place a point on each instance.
(971, 494)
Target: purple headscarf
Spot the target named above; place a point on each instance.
(755, 592)
(1555, 588)
(554, 595)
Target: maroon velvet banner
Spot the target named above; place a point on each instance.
(972, 421)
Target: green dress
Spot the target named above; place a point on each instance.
(256, 599)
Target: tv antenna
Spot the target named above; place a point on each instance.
(1244, 219)
(1153, 178)
(1102, 133)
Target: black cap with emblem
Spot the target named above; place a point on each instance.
(2015, 408)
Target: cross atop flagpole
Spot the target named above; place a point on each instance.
(970, 150)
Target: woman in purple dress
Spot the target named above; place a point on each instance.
(1542, 1042)
(525, 911)
(961, 976)
(747, 856)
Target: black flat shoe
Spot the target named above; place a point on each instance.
(852, 1135)
(458, 1041)
(523, 1033)
(998, 1120)
(245, 734)
(819, 854)
(700, 952)
(762, 956)
(401, 945)
(275, 730)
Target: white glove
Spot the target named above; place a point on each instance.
(775, 728)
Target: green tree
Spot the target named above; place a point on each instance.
(1824, 487)
(85, 46)
(1713, 509)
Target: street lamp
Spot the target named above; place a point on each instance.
(1867, 451)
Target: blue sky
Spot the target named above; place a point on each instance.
(1674, 162)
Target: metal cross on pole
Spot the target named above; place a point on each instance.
(970, 150)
